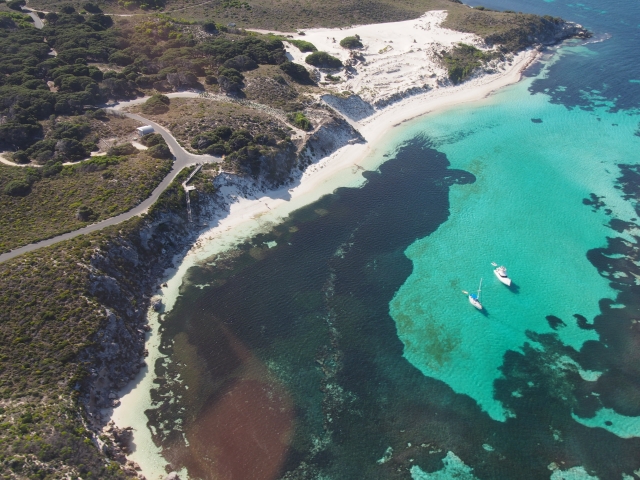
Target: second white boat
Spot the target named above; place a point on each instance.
(501, 273)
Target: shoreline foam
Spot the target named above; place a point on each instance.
(247, 217)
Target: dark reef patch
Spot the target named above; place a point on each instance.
(555, 322)
(536, 120)
(594, 201)
(583, 323)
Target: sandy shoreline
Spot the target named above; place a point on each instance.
(338, 169)
(249, 216)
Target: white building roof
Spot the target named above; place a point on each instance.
(145, 130)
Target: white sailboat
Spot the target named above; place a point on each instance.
(474, 298)
(501, 273)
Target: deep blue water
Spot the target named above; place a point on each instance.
(333, 354)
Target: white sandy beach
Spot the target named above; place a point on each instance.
(395, 57)
(248, 216)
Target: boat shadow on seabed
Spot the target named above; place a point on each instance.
(514, 288)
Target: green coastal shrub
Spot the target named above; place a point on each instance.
(20, 157)
(160, 151)
(303, 45)
(210, 27)
(300, 120)
(67, 9)
(463, 59)
(351, 42)
(92, 8)
(241, 63)
(152, 139)
(122, 150)
(156, 104)
(17, 188)
(84, 213)
(121, 59)
(230, 79)
(323, 60)
(297, 72)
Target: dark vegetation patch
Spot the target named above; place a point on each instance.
(463, 59)
(152, 53)
(351, 42)
(300, 120)
(297, 73)
(323, 60)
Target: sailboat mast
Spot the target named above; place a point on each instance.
(479, 289)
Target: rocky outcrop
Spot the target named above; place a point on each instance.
(276, 167)
(124, 274)
(353, 106)
(536, 31)
(331, 133)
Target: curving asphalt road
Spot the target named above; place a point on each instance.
(37, 22)
(182, 159)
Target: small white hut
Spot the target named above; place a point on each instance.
(147, 129)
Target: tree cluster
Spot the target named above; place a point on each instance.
(463, 59)
(243, 150)
(323, 60)
(158, 53)
(158, 148)
(297, 72)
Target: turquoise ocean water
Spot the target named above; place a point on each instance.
(524, 210)
(339, 345)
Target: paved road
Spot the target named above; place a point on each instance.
(182, 159)
(36, 19)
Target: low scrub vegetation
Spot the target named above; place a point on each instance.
(351, 42)
(323, 60)
(509, 30)
(38, 203)
(157, 103)
(47, 317)
(300, 120)
(463, 59)
(297, 72)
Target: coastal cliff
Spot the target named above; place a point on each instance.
(536, 31)
(127, 269)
